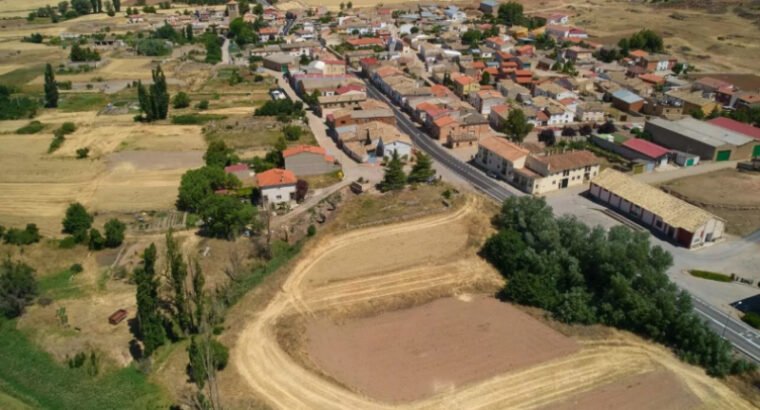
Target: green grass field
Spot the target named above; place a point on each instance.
(21, 76)
(60, 285)
(30, 377)
(82, 102)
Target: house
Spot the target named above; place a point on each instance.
(691, 102)
(244, 173)
(552, 91)
(354, 117)
(471, 126)
(443, 127)
(745, 101)
(627, 101)
(513, 91)
(532, 173)
(578, 54)
(561, 32)
(485, 99)
(365, 42)
(500, 156)
(366, 142)
(657, 62)
(498, 116)
(666, 215)
(590, 112)
(464, 85)
(400, 144)
(709, 141)
(268, 33)
(280, 62)
(277, 186)
(647, 151)
(305, 160)
(740, 128)
(497, 43)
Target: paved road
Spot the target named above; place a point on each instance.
(744, 339)
(467, 172)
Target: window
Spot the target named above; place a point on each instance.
(566, 173)
(658, 223)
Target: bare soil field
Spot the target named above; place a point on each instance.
(152, 160)
(728, 193)
(658, 389)
(440, 346)
(274, 358)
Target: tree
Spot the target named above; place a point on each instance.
(607, 128)
(422, 170)
(26, 236)
(159, 94)
(349, 5)
(697, 113)
(292, 132)
(114, 233)
(181, 100)
(569, 132)
(82, 7)
(485, 79)
(302, 188)
(547, 137)
(96, 240)
(51, 88)
(213, 49)
(77, 221)
(117, 5)
(394, 178)
(225, 216)
(17, 288)
(177, 279)
(202, 352)
(83, 54)
(586, 130)
(149, 321)
(146, 106)
(342, 6)
(511, 13)
(63, 7)
(189, 33)
(197, 184)
(516, 126)
(472, 37)
(218, 154)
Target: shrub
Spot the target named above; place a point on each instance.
(26, 236)
(82, 153)
(195, 119)
(17, 288)
(114, 233)
(711, 275)
(292, 132)
(31, 128)
(56, 143)
(181, 100)
(67, 243)
(77, 221)
(752, 319)
(76, 268)
(68, 128)
(203, 105)
(312, 230)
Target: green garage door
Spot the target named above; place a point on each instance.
(723, 155)
(756, 151)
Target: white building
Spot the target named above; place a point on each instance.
(277, 186)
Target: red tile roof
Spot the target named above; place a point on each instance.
(236, 168)
(638, 53)
(439, 90)
(652, 78)
(365, 41)
(736, 126)
(302, 148)
(464, 80)
(645, 147)
(275, 177)
(444, 121)
(350, 87)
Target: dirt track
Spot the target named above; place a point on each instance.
(281, 382)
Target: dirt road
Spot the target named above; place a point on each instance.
(279, 380)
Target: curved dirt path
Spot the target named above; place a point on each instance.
(283, 383)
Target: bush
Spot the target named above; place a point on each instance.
(31, 128)
(292, 132)
(752, 319)
(17, 288)
(96, 240)
(76, 268)
(56, 143)
(82, 153)
(711, 275)
(68, 242)
(27, 236)
(68, 128)
(181, 100)
(77, 221)
(311, 231)
(153, 47)
(203, 105)
(195, 119)
(114, 233)
(81, 54)
(14, 107)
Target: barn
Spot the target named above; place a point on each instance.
(665, 215)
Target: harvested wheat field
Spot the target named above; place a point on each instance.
(399, 339)
(658, 389)
(440, 346)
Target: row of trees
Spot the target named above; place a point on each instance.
(16, 236)
(511, 14)
(154, 101)
(395, 178)
(584, 275)
(14, 106)
(78, 223)
(76, 8)
(17, 288)
(80, 54)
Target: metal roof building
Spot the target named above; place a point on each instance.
(697, 137)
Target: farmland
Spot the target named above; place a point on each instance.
(317, 343)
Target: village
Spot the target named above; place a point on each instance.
(354, 205)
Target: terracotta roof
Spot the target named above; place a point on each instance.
(638, 53)
(444, 121)
(503, 148)
(569, 160)
(501, 109)
(673, 211)
(464, 79)
(349, 87)
(298, 149)
(275, 177)
(645, 147)
(652, 78)
(736, 126)
(236, 168)
(523, 73)
(268, 30)
(439, 90)
(365, 41)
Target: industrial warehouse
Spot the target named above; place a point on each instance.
(664, 214)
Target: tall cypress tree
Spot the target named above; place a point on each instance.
(146, 105)
(178, 276)
(189, 33)
(117, 5)
(149, 318)
(51, 88)
(159, 95)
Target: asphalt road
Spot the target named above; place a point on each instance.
(744, 338)
(466, 171)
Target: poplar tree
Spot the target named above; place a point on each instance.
(51, 88)
(178, 277)
(151, 330)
